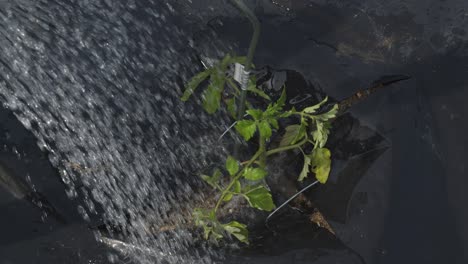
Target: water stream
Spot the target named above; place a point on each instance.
(98, 84)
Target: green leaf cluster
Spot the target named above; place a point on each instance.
(318, 162)
(314, 128)
(257, 195)
(262, 121)
(217, 82)
(213, 229)
(246, 179)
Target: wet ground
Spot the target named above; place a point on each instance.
(407, 207)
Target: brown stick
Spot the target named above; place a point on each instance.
(362, 94)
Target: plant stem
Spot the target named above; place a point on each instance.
(253, 45)
(237, 177)
(302, 114)
(262, 150)
(281, 149)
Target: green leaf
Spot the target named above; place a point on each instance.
(254, 174)
(282, 100)
(287, 113)
(232, 107)
(330, 114)
(246, 128)
(215, 232)
(194, 83)
(206, 218)
(314, 108)
(260, 198)
(252, 87)
(305, 168)
(290, 134)
(232, 166)
(274, 123)
(317, 134)
(212, 95)
(237, 187)
(255, 113)
(321, 163)
(265, 129)
(320, 135)
(300, 134)
(203, 216)
(259, 92)
(228, 197)
(207, 231)
(212, 180)
(238, 230)
(274, 110)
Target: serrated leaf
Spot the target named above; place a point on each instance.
(194, 83)
(212, 95)
(252, 87)
(300, 134)
(287, 113)
(259, 92)
(254, 174)
(217, 232)
(314, 108)
(289, 135)
(232, 166)
(321, 163)
(274, 110)
(255, 113)
(282, 100)
(264, 129)
(206, 218)
(238, 230)
(260, 198)
(270, 111)
(329, 115)
(317, 134)
(232, 107)
(246, 128)
(305, 168)
(212, 232)
(273, 122)
(320, 135)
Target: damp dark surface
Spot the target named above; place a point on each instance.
(399, 199)
(42, 225)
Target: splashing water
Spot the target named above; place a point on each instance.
(97, 84)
